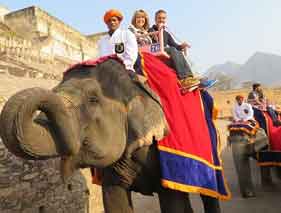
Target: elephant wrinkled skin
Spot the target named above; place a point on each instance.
(96, 117)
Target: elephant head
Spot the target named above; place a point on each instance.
(237, 136)
(255, 143)
(93, 117)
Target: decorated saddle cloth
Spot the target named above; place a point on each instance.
(92, 62)
(189, 155)
(249, 127)
(272, 157)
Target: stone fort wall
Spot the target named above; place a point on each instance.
(43, 44)
(3, 12)
(34, 63)
(36, 187)
(50, 34)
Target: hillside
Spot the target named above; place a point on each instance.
(228, 68)
(260, 67)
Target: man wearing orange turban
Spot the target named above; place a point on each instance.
(112, 13)
(123, 43)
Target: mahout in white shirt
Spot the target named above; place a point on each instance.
(242, 111)
(121, 42)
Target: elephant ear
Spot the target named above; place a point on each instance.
(146, 122)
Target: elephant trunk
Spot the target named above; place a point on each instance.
(30, 136)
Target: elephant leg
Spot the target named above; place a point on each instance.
(243, 170)
(211, 205)
(278, 172)
(266, 179)
(174, 201)
(116, 199)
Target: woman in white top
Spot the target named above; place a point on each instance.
(139, 26)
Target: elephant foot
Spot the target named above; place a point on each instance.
(267, 183)
(269, 186)
(278, 172)
(248, 194)
(266, 178)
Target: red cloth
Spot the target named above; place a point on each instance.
(96, 176)
(184, 113)
(274, 134)
(93, 62)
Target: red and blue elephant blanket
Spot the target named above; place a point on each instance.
(189, 155)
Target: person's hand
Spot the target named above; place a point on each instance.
(184, 45)
(161, 25)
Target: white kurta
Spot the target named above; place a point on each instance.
(243, 112)
(107, 43)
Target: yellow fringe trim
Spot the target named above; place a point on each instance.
(194, 189)
(215, 112)
(252, 133)
(269, 164)
(142, 64)
(183, 154)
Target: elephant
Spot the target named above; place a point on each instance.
(97, 116)
(242, 150)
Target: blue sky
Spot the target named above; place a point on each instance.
(218, 30)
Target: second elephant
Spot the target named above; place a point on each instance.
(242, 150)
